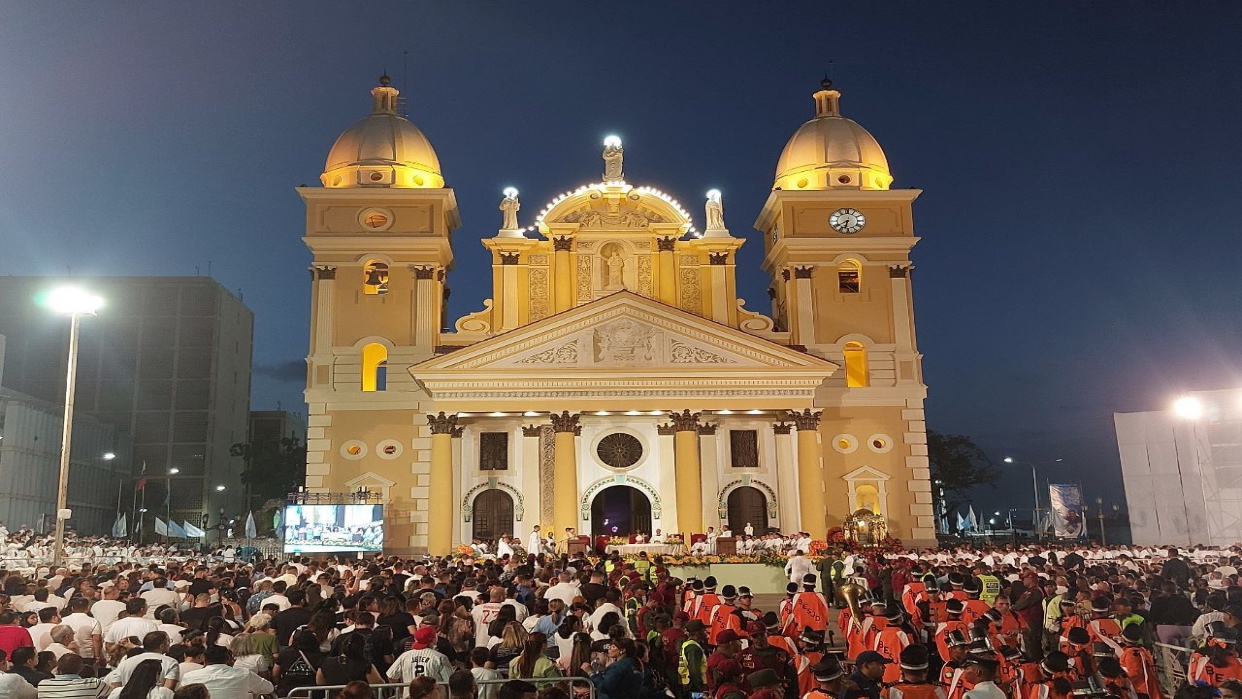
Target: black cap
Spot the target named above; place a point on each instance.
(870, 656)
(914, 657)
(728, 592)
(954, 606)
(791, 588)
(984, 658)
(1078, 636)
(827, 669)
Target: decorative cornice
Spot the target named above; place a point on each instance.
(531, 430)
(686, 421)
(458, 432)
(509, 258)
(718, 258)
(666, 243)
(666, 429)
(424, 273)
(803, 272)
(781, 428)
(442, 424)
(785, 274)
(562, 243)
(900, 271)
(707, 429)
(323, 272)
(806, 420)
(566, 422)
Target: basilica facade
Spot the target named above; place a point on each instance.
(614, 382)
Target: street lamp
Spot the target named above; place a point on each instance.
(109, 456)
(75, 303)
(1099, 512)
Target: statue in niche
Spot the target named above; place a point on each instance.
(509, 207)
(715, 211)
(614, 266)
(614, 155)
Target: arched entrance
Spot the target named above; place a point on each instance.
(620, 510)
(492, 514)
(748, 505)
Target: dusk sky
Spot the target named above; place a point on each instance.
(1079, 163)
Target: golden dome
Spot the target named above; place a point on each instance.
(382, 150)
(830, 152)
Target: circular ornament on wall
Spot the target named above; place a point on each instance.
(844, 443)
(353, 449)
(880, 443)
(619, 450)
(388, 449)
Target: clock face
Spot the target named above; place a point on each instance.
(847, 220)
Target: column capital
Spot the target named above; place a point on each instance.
(565, 422)
(707, 428)
(423, 272)
(509, 258)
(718, 258)
(806, 420)
(781, 428)
(458, 432)
(803, 272)
(666, 429)
(666, 243)
(562, 243)
(531, 430)
(900, 271)
(685, 421)
(442, 424)
(323, 272)
(785, 274)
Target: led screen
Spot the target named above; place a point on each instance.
(331, 528)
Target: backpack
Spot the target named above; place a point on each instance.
(300, 673)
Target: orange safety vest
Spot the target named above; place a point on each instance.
(1202, 670)
(720, 615)
(914, 593)
(889, 643)
(1140, 667)
(703, 612)
(912, 690)
(809, 611)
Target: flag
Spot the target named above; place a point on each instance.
(276, 522)
(118, 527)
(251, 532)
(175, 529)
(962, 524)
(142, 483)
(193, 532)
(971, 519)
(160, 527)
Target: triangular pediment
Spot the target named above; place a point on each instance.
(623, 342)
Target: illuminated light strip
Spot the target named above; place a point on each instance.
(600, 186)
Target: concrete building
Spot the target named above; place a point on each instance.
(1182, 470)
(275, 425)
(167, 360)
(614, 382)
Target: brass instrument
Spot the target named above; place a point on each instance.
(850, 593)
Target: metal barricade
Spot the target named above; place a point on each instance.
(1171, 662)
(398, 691)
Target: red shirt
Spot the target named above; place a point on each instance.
(13, 637)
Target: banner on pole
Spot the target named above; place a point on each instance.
(1065, 504)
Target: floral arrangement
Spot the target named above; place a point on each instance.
(619, 540)
(465, 550)
(674, 539)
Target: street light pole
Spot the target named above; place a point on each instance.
(1099, 509)
(76, 303)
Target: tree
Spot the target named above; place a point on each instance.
(957, 465)
(273, 469)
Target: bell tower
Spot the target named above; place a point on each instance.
(379, 231)
(837, 243)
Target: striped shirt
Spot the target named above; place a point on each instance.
(72, 687)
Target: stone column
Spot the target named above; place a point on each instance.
(509, 290)
(786, 478)
(322, 324)
(565, 476)
(720, 286)
(689, 473)
(804, 323)
(810, 474)
(563, 275)
(426, 318)
(710, 458)
(668, 270)
(530, 480)
(440, 491)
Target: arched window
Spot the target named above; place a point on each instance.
(856, 365)
(374, 367)
(375, 279)
(849, 277)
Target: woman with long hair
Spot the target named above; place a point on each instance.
(216, 635)
(564, 636)
(622, 679)
(579, 653)
(296, 665)
(146, 682)
(350, 665)
(422, 688)
(393, 615)
(534, 661)
(606, 622)
(512, 641)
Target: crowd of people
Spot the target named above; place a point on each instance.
(1006, 623)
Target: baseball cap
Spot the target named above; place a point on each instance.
(727, 636)
(870, 656)
(424, 637)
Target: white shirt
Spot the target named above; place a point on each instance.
(83, 628)
(564, 591)
(173, 631)
(106, 611)
(72, 687)
(534, 543)
(278, 600)
(520, 610)
(419, 662)
(484, 614)
(57, 649)
(158, 598)
(41, 634)
(797, 568)
(226, 682)
(985, 690)
(171, 668)
(16, 687)
(129, 626)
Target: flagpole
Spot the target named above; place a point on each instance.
(168, 505)
(133, 518)
(141, 510)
